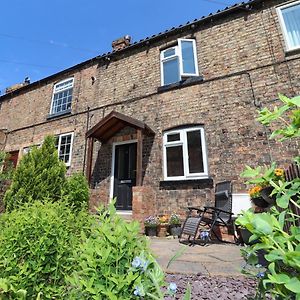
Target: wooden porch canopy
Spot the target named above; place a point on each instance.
(107, 128)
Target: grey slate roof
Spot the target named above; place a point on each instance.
(246, 5)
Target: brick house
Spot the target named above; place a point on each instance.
(158, 122)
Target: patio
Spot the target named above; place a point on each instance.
(210, 260)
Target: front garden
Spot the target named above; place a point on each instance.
(52, 248)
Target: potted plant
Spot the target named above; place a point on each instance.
(175, 225)
(151, 224)
(163, 226)
(263, 178)
(256, 198)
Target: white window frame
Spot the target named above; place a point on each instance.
(183, 142)
(68, 164)
(59, 90)
(178, 54)
(283, 26)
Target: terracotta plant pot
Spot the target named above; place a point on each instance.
(162, 230)
(266, 192)
(151, 231)
(260, 202)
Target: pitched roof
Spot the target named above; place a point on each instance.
(246, 5)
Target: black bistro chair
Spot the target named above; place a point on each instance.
(201, 223)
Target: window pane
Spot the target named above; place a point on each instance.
(195, 151)
(171, 71)
(188, 61)
(174, 161)
(169, 52)
(173, 137)
(291, 17)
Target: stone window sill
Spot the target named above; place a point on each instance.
(57, 115)
(177, 85)
(201, 183)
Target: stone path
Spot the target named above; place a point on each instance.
(212, 259)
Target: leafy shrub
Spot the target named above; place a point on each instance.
(281, 276)
(113, 263)
(40, 175)
(77, 191)
(36, 244)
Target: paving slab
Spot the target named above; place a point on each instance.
(211, 259)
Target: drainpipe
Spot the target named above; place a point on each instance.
(85, 144)
(258, 104)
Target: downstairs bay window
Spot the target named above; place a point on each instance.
(184, 152)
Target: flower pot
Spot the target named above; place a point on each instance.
(151, 231)
(162, 230)
(260, 202)
(266, 192)
(175, 230)
(245, 235)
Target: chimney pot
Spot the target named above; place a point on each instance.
(121, 43)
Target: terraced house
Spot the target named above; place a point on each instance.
(156, 123)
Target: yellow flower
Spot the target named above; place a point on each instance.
(255, 191)
(163, 219)
(278, 172)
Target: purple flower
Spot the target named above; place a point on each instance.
(137, 262)
(260, 275)
(172, 288)
(139, 291)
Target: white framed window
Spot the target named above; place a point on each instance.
(179, 61)
(184, 153)
(62, 96)
(289, 18)
(64, 144)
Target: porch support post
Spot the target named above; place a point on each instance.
(139, 157)
(89, 159)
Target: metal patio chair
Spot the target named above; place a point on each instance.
(201, 223)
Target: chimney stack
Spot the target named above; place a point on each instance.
(121, 43)
(17, 86)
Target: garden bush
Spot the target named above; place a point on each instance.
(76, 191)
(114, 263)
(40, 175)
(281, 248)
(36, 246)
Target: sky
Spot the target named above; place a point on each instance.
(42, 37)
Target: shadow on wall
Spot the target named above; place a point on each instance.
(102, 169)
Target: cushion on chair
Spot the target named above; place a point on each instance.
(191, 226)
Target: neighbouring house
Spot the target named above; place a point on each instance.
(156, 123)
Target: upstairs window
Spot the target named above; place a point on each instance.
(289, 16)
(62, 97)
(185, 154)
(179, 62)
(63, 145)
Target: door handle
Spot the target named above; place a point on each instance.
(125, 181)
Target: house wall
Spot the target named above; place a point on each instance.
(243, 63)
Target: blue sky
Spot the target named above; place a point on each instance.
(41, 37)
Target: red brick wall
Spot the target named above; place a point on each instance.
(243, 62)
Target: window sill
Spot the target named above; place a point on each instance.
(57, 115)
(177, 85)
(200, 183)
(292, 52)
